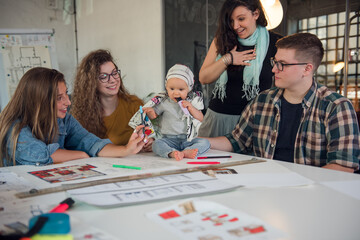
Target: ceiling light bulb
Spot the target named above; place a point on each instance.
(273, 13)
(268, 3)
(338, 66)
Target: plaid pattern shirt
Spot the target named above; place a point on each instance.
(328, 131)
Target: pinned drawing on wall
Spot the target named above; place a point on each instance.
(21, 50)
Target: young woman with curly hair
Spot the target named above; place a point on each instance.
(238, 61)
(100, 102)
(35, 128)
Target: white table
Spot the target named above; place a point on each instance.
(307, 212)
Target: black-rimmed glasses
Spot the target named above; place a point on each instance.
(280, 65)
(104, 77)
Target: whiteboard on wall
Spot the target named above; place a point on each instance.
(21, 50)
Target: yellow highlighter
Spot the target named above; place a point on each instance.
(52, 237)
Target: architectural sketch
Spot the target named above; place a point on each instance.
(19, 59)
(20, 51)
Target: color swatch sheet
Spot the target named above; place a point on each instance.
(196, 219)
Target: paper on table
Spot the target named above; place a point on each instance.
(351, 188)
(82, 231)
(195, 219)
(15, 213)
(150, 189)
(289, 179)
(102, 165)
(9, 181)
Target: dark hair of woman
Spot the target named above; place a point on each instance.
(226, 38)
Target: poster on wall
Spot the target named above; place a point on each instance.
(21, 50)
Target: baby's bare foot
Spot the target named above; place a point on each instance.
(190, 153)
(177, 155)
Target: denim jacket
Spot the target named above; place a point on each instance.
(72, 136)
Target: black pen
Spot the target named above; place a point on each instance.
(205, 157)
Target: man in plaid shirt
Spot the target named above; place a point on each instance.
(299, 120)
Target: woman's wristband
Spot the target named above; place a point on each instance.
(232, 58)
(226, 59)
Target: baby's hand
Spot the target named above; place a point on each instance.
(186, 104)
(148, 145)
(150, 112)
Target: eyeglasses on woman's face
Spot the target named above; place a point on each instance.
(280, 65)
(105, 77)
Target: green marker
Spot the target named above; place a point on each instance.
(123, 166)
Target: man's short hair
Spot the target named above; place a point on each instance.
(307, 46)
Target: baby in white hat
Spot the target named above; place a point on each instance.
(180, 112)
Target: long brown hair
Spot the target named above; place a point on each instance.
(226, 38)
(86, 106)
(34, 105)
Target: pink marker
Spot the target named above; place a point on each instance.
(203, 162)
(63, 206)
(179, 100)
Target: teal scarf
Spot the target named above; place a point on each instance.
(260, 38)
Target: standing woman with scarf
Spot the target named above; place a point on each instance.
(238, 61)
